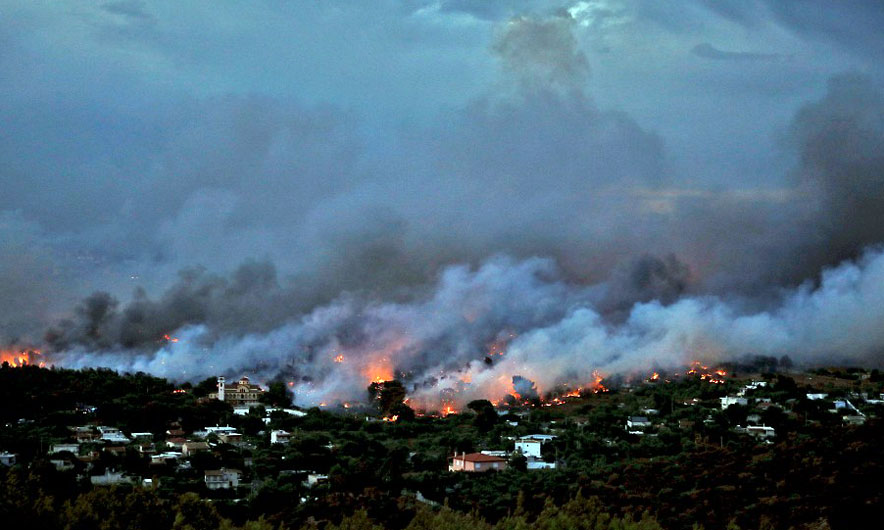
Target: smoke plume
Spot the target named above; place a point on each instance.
(525, 235)
(438, 344)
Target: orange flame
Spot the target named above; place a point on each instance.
(170, 339)
(597, 386)
(21, 358)
(714, 377)
(339, 358)
(379, 371)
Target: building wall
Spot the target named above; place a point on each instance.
(458, 464)
(529, 448)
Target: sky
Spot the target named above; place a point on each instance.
(240, 168)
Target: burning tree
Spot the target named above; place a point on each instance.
(386, 395)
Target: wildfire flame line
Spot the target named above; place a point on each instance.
(21, 358)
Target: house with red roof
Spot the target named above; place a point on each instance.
(476, 463)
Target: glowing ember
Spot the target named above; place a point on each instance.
(392, 418)
(339, 358)
(167, 338)
(498, 346)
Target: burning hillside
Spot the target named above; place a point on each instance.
(526, 334)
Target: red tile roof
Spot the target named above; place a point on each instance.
(479, 457)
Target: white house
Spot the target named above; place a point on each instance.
(113, 435)
(218, 430)
(316, 478)
(637, 422)
(222, 478)
(7, 459)
(73, 447)
(727, 401)
(760, 431)
(104, 429)
(164, 458)
(280, 437)
(815, 397)
(529, 448)
(754, 385)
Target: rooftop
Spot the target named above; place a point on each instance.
(479, 457)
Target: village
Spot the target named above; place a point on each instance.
(256, 447)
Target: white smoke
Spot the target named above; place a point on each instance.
(529, 322)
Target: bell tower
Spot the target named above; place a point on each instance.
(221, 387)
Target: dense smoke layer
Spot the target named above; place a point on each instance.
(527, 231)
(510, 325)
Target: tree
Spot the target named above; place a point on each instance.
(403, 412)
(206, 387)
(278, 395)
(486, 416)
(518, 462)
(386, 394)
(193, 513)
